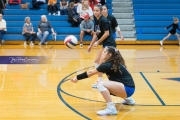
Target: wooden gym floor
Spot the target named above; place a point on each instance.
(44, 92)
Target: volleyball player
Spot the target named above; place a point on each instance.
(113, 22)
(172, 31)
(120, 82)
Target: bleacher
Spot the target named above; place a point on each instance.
(15, 16)
(152, 16)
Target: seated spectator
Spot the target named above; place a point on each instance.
(76, 3)
(86, 27)
(63, 7)
(102, 2)
(86, 9)
(92, 3)
(1, 11)
(43, 29)
(52, 7)
(2, 28)
(37, 3)
(28, 31)
(72, 16)
(79, 7)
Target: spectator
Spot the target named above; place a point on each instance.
(79, 7)
(43, 28)
(102, 2)
(63, 7)
(28, 31)
(37, 3)
(1, 11)
(76, 3)
(92, 3)
(72, 16)
(86, 27)
(2, 28)
(52, 8)
(86, 9)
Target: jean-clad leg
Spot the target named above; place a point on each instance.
(45, 35)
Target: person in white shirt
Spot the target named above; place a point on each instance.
(86, 9)
(2, 28)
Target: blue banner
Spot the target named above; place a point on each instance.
(24, 60)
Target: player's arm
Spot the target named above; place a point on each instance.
(169, 26)
(93, 39)
(105, 35)
(84, 75)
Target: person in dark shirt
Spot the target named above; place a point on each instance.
(104, 35)
(172, 31)
(120, 84)
(72, 16)
(113, 22)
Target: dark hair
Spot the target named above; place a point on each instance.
(99, 6)
(116, 58)
(71, 4)
(105, 6)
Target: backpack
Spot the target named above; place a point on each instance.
(14, 1)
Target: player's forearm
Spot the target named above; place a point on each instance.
(105, 35)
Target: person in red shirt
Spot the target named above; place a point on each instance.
(92, 3)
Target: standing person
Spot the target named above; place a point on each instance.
(120, 82)
(105, 36)
(172, 31)
(28, 31)
(43, 30)
(113, 22)
(86, 27)
(63, 7)
(2, 28)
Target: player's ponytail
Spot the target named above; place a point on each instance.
(116, 58)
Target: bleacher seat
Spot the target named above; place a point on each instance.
(15, 16)
(152, 16)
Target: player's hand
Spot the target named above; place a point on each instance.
(88, 30)
(122, 38)
(89, 49)
(96, 44)
(74, 80)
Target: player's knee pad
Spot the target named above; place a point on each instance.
(96, 65)
(101, 88)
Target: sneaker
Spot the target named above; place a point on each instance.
(49, 13)
(25, 43)
(179, 43)
(45, 43)
(161, 43)
(108, 111)
(40, 43)
(94, 85)
(54, 14)
(128, 101)
(31, 43)
(2, 41)
(81, 45)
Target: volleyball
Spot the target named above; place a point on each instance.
(70, 41)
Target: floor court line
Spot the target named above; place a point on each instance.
(159, 98)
